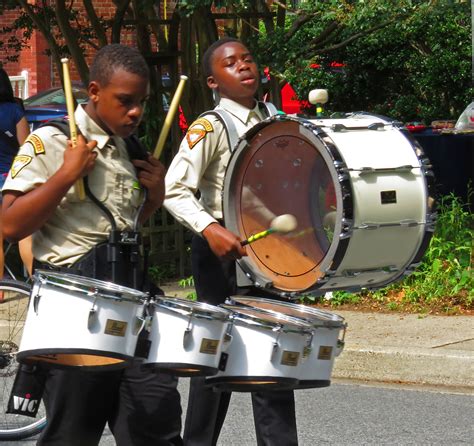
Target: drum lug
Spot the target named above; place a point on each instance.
(37, 297)
(341, 342)
(36, 300)
(228, 333)
(276, 344)
(140, 323)
(307, 349)
(188, 332)
(92, 312)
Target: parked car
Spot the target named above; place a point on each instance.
(50, 104)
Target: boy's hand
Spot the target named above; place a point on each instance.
(79, 160)
(223, 243)
(151, 174)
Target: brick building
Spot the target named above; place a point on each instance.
(33, 60)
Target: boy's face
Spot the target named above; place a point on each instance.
(234, 73)
(118, 106)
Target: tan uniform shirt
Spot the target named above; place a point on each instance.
(77, 226)
(200, 164)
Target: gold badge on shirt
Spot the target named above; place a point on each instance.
(37, 144)
(198, 131)
(19, 163)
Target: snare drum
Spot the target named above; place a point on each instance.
(326, 342)
(359, 189)
(263, 351)
(186, 337)
(75, 321)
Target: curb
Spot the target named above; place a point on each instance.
(453, 368)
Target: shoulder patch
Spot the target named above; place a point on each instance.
(197, 131)
(19, 163)
(205, 123)
(37, 144)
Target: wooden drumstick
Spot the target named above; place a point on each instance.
(72, 120)
(169, 117)
(282, 224)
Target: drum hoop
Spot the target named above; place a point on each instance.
(187, 308)
(325, 318)
(89, 286)
(287, 324)
(331, 156)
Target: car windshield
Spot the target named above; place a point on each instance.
(56, 97)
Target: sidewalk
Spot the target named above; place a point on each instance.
(401, 348)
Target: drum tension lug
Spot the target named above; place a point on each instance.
(276, 344)
(37, 297)
(36, 300)
(92, 312)
(188, 332)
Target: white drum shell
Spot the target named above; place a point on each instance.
(317, 361)
(61, 323)
(317, 366)
(173, 347)
(385, 237)
(250, 353)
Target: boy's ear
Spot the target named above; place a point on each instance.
(93, 90)
(211, 82)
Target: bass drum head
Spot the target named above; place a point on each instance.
(282, 166)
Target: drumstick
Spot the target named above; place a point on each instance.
(282, 224)
(72, 121)
(169, 117)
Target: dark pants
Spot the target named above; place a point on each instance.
(142, 408)
(274, 411)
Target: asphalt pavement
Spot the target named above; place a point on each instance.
(396, 348)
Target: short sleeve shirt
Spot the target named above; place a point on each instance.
(77, 225)
(200, 164)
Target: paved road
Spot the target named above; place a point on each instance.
(352, 414)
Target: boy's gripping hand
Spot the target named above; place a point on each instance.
(79, 160)
(151, 175)
(223, 243)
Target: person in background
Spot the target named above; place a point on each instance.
(200, 165)
(14, 130)
(142, 408)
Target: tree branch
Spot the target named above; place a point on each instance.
(95, 22)
(72, 40)
(352, 38)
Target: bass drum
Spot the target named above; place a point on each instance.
(360, 190)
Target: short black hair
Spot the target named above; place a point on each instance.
(206, 59)
(6, 89)
(113, 57)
